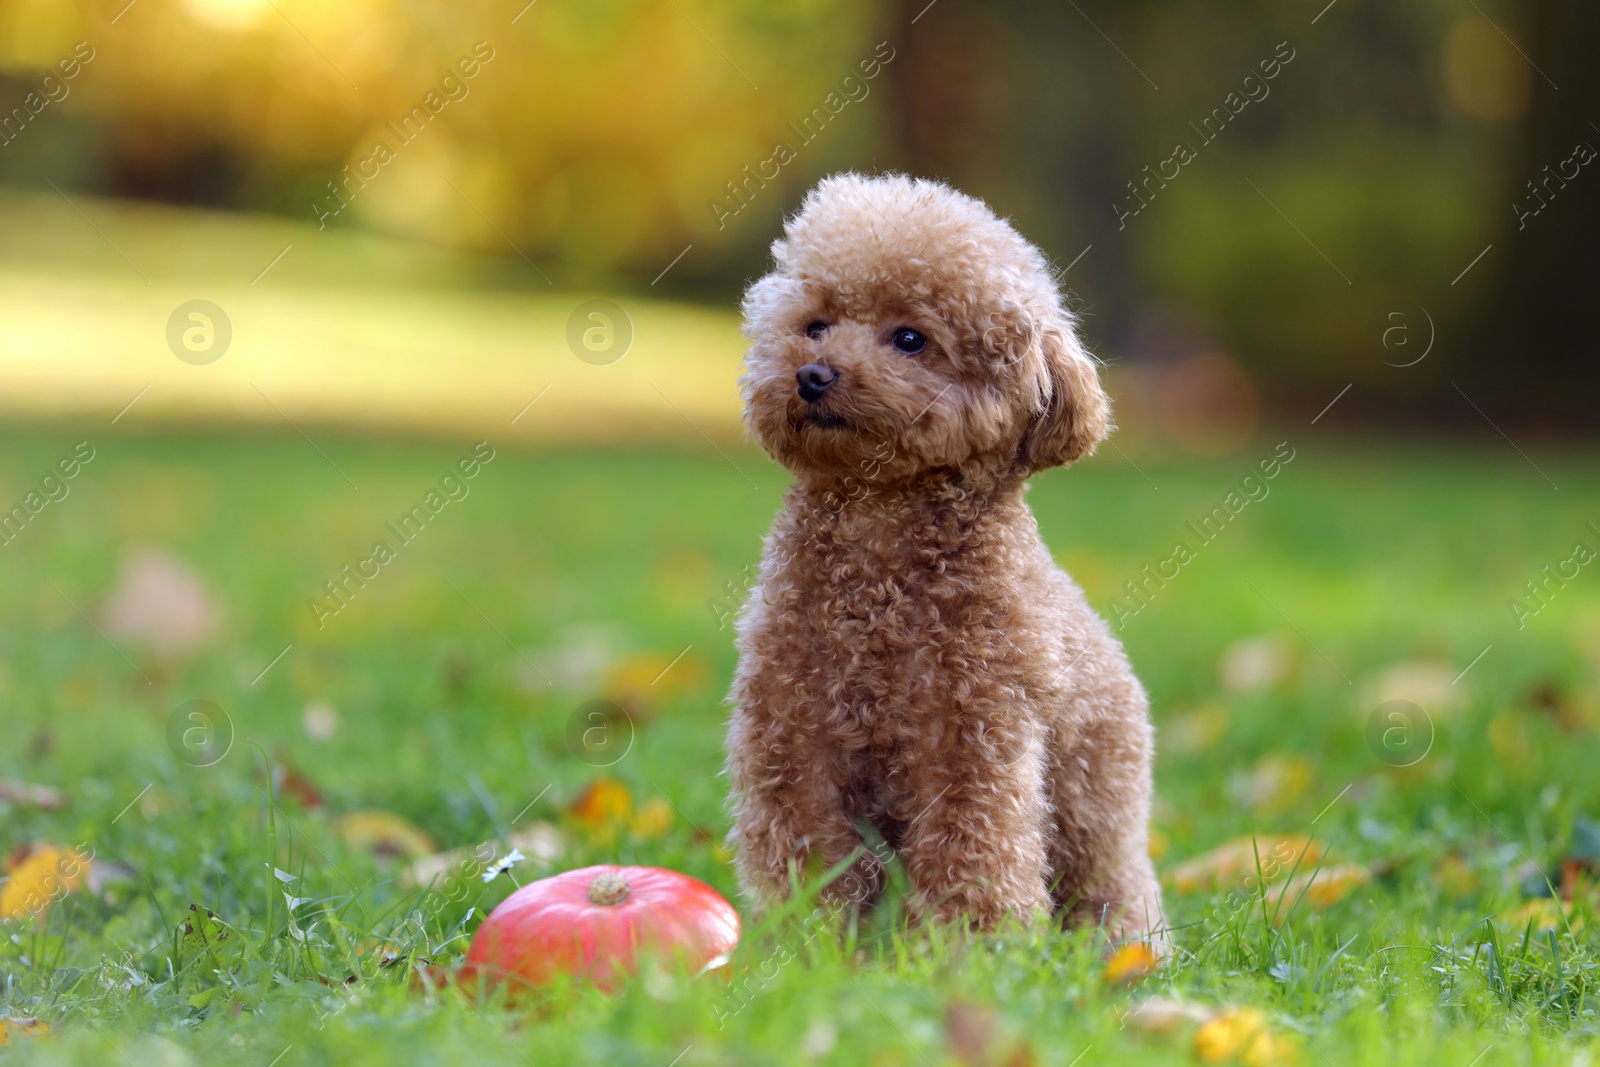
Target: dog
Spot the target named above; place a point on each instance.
(911, 658)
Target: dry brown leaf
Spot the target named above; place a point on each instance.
(288, 780)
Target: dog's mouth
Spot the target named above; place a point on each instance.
(825, 420)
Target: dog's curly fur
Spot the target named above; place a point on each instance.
(913, 658)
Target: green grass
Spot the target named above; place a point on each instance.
(1356, 562)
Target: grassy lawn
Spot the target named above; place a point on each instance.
(443, 691)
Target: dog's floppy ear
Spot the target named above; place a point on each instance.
(1073, 414)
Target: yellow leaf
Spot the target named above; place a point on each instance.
(1130, 964)
(603, 803)
(1271, 1050)
(384, 834)
(1320, 888)
(1241, 1035)
(1545, 914)
(42, 875)
(1233, 865)
(21, 1026)
(652, 820)
(648, 675)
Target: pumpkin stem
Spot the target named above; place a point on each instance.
(609, 889)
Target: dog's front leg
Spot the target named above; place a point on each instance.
(789, 811)
(976, 850)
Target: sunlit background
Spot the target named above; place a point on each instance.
(399, 205)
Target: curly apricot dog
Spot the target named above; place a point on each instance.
(913, 658)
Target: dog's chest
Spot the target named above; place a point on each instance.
(884, 594)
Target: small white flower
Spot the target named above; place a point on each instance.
(503, 864)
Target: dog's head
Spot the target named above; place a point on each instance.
(907, 327)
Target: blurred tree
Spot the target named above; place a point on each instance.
(1309, 223)
(595, 136)
(1537, 326)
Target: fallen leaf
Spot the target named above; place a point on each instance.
(1317, 888)
(202, 929)
(24, 795)
(287, 780)
(652, 820)
(1544, 913)
(39, 875)
(1233, 865)
(384, 834)
(602, 804)
(160, 602)
(640, 682)
(21, 1026)
(1242, 1035)
(1130, 965)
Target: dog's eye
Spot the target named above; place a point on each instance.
(816, 330)
(908, 341)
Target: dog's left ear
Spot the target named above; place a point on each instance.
(1074, 414)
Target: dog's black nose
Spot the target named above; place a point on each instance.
(814, 380)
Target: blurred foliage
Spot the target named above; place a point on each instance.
(597, 142)
(592, 134)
